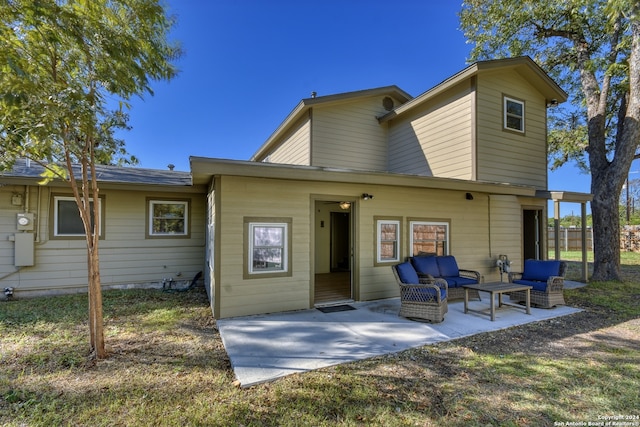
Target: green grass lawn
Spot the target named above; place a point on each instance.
(167, 367)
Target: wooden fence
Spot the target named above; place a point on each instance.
(571, 239)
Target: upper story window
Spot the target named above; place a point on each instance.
(168, 218)
(513, 114)
(67, 221)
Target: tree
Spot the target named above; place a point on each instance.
(592, 48)
(64, 65)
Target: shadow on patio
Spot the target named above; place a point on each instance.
(265, 347)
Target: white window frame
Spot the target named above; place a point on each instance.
(284, 264)
(56, 216)
(379, 224)
(436, 223)
(153, 202)
(506, 102)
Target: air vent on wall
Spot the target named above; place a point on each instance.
(387, 103)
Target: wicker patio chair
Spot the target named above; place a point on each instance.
(546, 279)
(420, 299)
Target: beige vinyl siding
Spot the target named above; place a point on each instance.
(245, 197)
(349, 136)
(469, 235)
(295, 148)
(126, 256)
(480, 229)
(8, 227)
(505, 156)
(437, 139)
(506, 230)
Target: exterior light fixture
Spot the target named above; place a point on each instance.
(344, 205)
(367, 196)
(469, 196)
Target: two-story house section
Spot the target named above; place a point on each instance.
(350, 184)
(335, 131)
(486, 123)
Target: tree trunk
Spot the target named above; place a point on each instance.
(606, 231)
(96, 323)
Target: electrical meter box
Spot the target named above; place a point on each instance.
(24, 249)
(26, 221)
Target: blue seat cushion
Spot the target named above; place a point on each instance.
(460, 281)
(448, 266)
(427, 293)
(536, 284)
(426, 265)
(407, 273)
(540, 270)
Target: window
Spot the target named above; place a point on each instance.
(429, 237)
(67, 221)
(387, 240)
(168, 218)
(267, 247)
(513, 114)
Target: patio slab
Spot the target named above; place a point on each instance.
(266, 347)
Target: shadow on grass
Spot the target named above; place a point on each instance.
(168, 367)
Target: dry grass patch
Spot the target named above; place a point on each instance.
(167, 367)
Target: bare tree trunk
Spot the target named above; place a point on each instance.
(91, 222)
(96, 322)
(93, 238)
(606, 232)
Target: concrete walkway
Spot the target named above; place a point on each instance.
(265, 347)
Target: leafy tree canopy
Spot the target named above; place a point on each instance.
(68, 68)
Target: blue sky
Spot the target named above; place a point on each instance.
(248, 63)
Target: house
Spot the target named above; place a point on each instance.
(345, 187)
(152, 226)
(350, 184)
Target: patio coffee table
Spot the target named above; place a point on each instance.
(497, 288)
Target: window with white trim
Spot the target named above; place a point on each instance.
(66, 217)
(387, 240)
(168, 218)
(428, 237)
(268, 250)
(513, 114)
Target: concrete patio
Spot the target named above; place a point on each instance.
(266, 347)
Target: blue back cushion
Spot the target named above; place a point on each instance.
(540, 270)
(407, 274)
(426, 265)
(448, 266)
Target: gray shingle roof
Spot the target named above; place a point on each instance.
(112, 174)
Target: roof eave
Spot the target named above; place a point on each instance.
(550, 88)
(204, 169)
